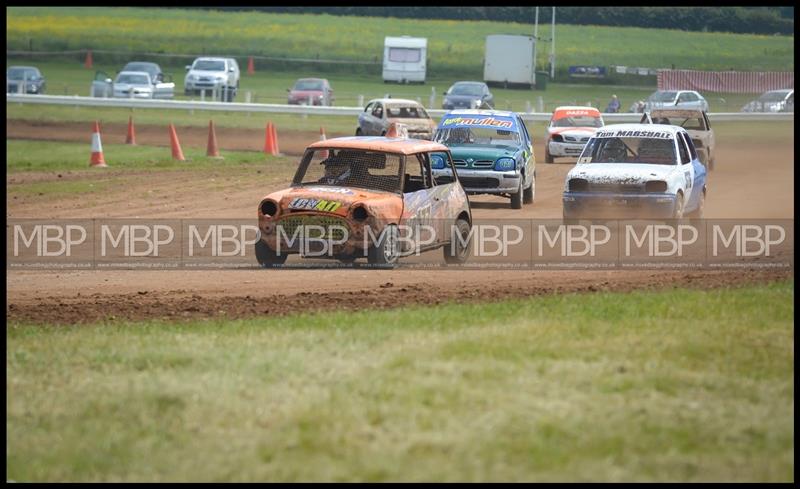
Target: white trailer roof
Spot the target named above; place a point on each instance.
(406, 42)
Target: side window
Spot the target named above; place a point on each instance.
(524, 130)
(442, 163)
(683, 151)
(416, 178)
(378, 110)
(690, 144)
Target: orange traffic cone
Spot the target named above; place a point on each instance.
(322, 137)
(177, 153)
(211, 149)
(275, 146)
(251, 69)
(131, 137)
(88, 62)
(397, 130)
(97, 148)
(269, 144)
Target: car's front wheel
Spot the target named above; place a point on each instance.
(386, 251)
(516, 197)
(548, 158)
(528, 194)
(266, 257)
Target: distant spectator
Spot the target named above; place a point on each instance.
(613, 106)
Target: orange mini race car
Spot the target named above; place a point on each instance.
(373, 197)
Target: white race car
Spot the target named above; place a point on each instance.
(569, 130)
(636, 171)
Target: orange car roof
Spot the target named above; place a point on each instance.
(380, 143)
(562, 112)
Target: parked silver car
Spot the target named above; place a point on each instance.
(157, 85)
(678, 99)
(214, 75)
(772, 101)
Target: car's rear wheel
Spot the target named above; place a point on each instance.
(711, 163)
(698, 213)
(358, 132)
(385, 252)
(516, 197)
(266, 257)
(678, 212)
(457, 251)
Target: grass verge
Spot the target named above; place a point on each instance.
(681, 385)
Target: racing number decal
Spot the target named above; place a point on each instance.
(687, 176)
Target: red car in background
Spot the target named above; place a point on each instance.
(311, 91)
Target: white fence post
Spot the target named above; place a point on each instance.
(539, 104)
(360, 101)
(528, 106)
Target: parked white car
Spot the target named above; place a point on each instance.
(636, 171)
(678, 99)
(772, 101)
(214, 75)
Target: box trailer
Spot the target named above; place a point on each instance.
(404, 59)
(509, 60)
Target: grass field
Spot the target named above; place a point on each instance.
(455, 47)
(674, 385)
(25, 155)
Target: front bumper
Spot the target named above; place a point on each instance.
(135, 95)
(565, 149)
(304, 101)
(604, 204)
(448, 105)
(30, 89)
(203, 85)
(484, 181)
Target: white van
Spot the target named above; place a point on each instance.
(404, 59)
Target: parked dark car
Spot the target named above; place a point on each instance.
(27, 79)
(468, 95)
(311, 91)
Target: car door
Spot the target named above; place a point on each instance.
(527, 151)
(102, 85)
(377, 119)
(489, 97)
(424, 203)
(710, 134)
(363, 119)
(164, 87)
(689, 163)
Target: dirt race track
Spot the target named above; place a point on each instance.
(753, 180)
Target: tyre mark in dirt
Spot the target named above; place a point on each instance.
(178, 305)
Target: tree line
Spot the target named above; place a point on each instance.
(743, 20)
